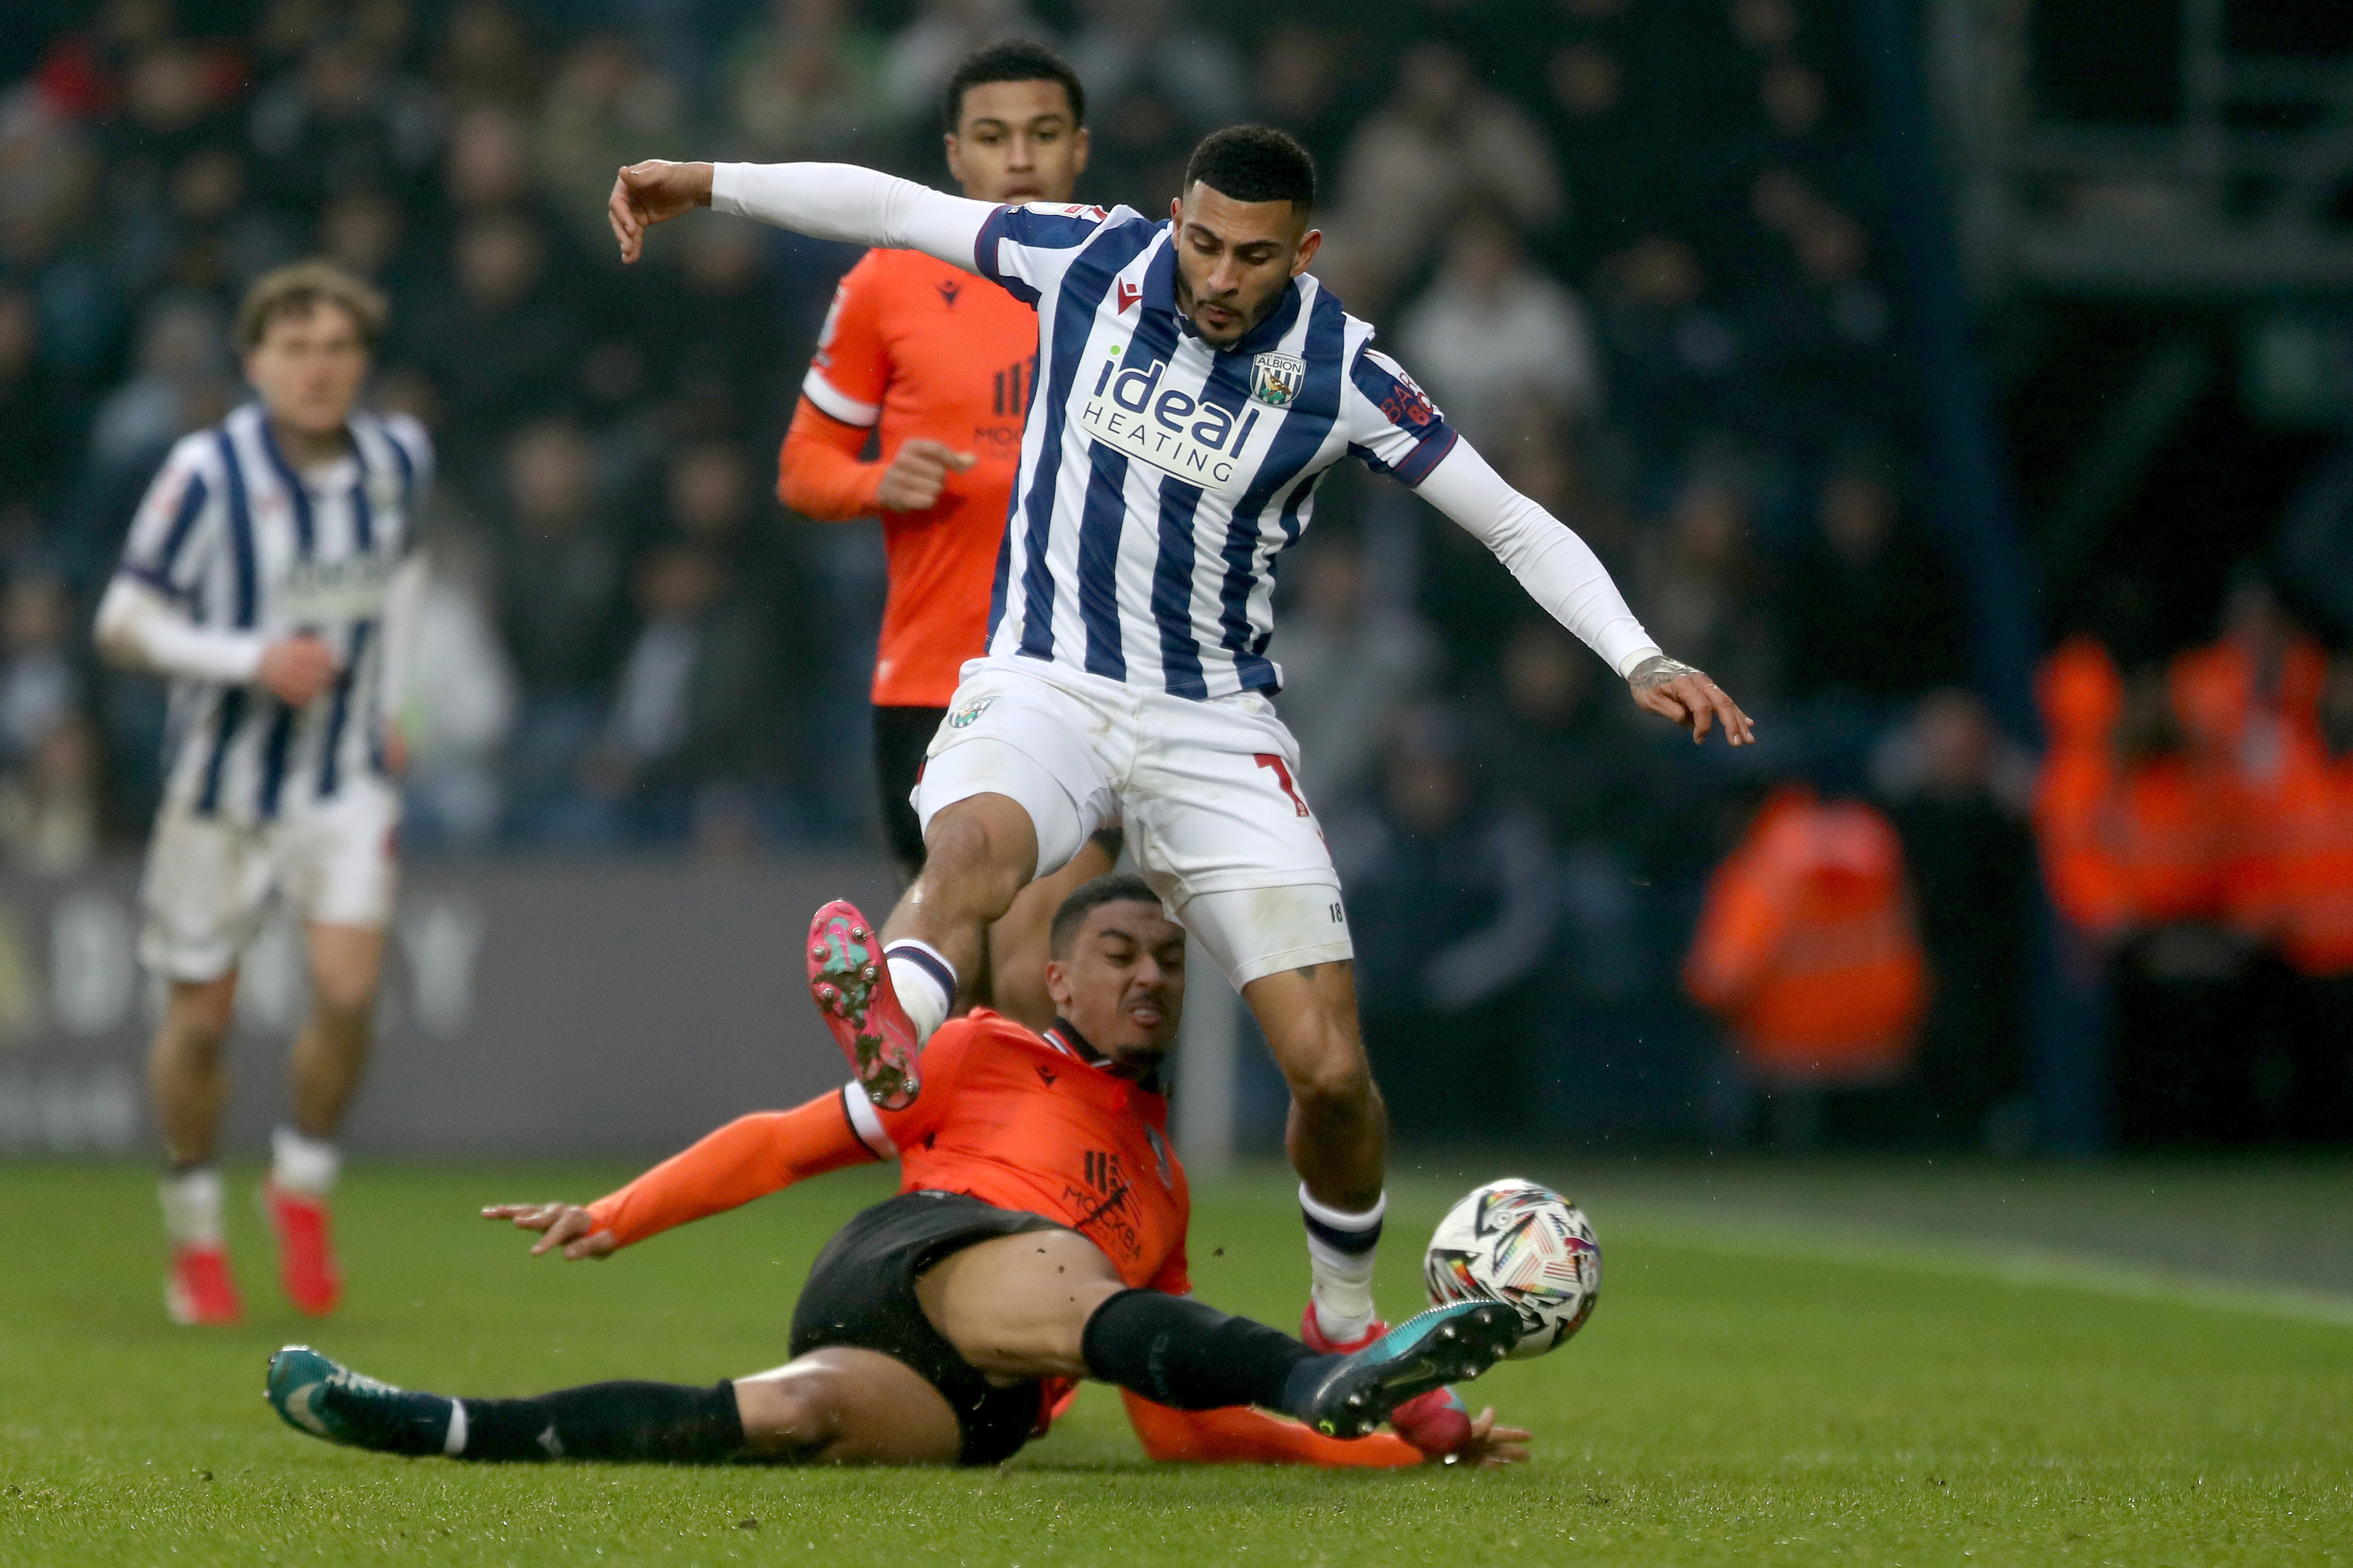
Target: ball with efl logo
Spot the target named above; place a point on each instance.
(1525, 1246)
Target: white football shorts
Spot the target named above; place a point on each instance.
(1206, 792)
(209, 880)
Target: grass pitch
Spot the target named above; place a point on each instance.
(1746, 1393)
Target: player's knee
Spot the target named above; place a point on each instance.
(1327, 1073)
(980, 857)
(345, 994)
(200, 1013)
(789, 1416)
(347, 961)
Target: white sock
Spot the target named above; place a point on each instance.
(925, 982)
(1341, 1249)
(191, 1206)
(302, 1164)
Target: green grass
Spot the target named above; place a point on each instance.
(1741, 1396)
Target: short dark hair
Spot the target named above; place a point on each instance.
(1254, 163)
(302, 287)
(1016, 60)
(1111, 888)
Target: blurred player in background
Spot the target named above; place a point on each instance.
(1037, 1237)
(268, 573)
(942, 370)
(1199, 382)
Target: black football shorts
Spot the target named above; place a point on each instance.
(861, 1293)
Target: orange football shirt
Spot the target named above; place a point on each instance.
(923, 350)
(1010, 1118)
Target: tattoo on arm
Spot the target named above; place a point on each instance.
(1658, 670)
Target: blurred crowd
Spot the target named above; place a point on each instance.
(631, 643)
(1634, 248)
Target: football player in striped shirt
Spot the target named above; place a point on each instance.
(1196, 382)
(268, 574)
(939, 367)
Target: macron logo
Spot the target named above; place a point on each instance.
(1129, 294)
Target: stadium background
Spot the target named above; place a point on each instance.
(1880, 349)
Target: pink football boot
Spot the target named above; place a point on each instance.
(850, 982)
(306, 1249)
(199, 1290)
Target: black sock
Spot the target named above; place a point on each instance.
(1187, 1356)
(660, 1421)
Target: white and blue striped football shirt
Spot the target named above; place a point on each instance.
(1161, 477)
(240, 541)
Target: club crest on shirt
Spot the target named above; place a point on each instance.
(383, 491)
(963, 717)
(1277, 380)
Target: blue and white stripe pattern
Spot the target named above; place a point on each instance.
(1160, 478)
(240, 542)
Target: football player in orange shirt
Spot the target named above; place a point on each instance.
(1037, 1237)
(938, 368)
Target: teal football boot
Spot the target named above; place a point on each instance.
(316, 1395)
(1444, 1345)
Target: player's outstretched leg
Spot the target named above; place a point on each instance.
(1050, 1304)
(1176, 1351)
(655, 1421)
(838, 1406)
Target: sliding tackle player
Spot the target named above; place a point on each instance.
(1037, 1237)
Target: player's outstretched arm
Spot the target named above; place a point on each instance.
(566, 1226)
(750, 1157)
(825, 201)
(1561, 573)
(1242, 1436)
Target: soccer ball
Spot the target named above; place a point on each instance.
(1525, 1246)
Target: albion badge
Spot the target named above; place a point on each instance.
(1277, 380)
(962, 717)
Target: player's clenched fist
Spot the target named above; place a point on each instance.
(918, 473)
(566, 1225)
(296, 670)
(655, 191)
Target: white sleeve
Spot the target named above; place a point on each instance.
(402, 598)
(1559, 569)
(842, 201)
(140, 629)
